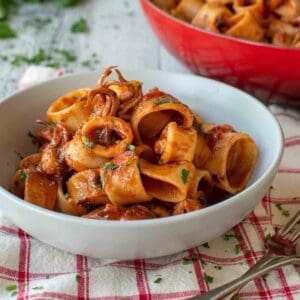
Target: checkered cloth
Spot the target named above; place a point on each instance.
(30, 269)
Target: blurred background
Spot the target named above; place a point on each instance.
(76, 36)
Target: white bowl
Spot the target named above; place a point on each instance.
(213, 100)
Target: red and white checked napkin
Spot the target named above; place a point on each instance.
(30, 269)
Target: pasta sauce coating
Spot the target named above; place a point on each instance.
(115, 153)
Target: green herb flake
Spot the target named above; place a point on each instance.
(47, 276)
(283, 211)
(77, 277)
(87, 63)
(238, 248)
(66, 3)
(50, 123)
(6, 32)
(38, 58)
(186, 261)
(184, 175)
(89, 143)
(67, 55)
(80, 26)
(66, 196)
(13, 294)
(268, 237)
(218, 267)
(38, 288)
(163, 100)
(54, 65)
(158, 280)
(195, 257)
(110, 166)
(208, 278)
(205, 245)
(10, 288)
(23, 176)
(130, 147)
(228, 236)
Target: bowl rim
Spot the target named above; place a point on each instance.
(150, 4)
(157, 221)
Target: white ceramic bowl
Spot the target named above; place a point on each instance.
(214, 101)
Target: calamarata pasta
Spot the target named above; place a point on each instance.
(274, 21)
(114, 152)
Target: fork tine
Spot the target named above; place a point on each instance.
(294, 236)
(286, 229)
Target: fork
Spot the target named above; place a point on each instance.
(282, 250)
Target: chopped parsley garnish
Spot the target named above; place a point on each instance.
(205, 245)
(37, 288)
(89, 143)
(184, 175)
(188, 260)
(283, 211)
(77, 277)
(110, 166)
(80, 26)
(208, 279)
(6, 32)
(66, 3)
(218, 267)
(66, 196)
(54, 65)
(87, 63)
(50, 123)
(162, 100)
(238, 248)
(23, 175)
(36, 59)
(14, 293)
(268, 237)
(158, 280)
(228, 236)
(47, 277)
(11, 287)
(130, 147)
(67, 55)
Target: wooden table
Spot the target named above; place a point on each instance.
(119, 35)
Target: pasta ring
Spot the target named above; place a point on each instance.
(93, 129)
(153, 114)
(168, 182)
(70, 110)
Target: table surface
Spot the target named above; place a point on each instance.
(119, 35)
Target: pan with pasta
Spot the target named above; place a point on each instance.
(275, 21)
(116, 152)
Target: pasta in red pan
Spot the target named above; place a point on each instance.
(114, 152)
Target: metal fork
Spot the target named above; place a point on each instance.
(282, 250)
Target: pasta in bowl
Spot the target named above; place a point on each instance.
(263, 59)
(114, 152)
(276, 21)
(100, 233)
